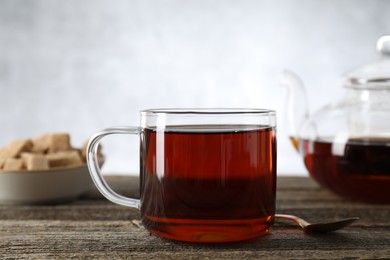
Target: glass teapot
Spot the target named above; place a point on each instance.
(345, 145)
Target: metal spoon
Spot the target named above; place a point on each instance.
(322, 227)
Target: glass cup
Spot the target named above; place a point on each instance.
(206, 175)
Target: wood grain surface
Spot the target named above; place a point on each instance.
(93, 227)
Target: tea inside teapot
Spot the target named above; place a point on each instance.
(345, 145)
(361, 172)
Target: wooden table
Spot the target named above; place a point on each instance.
(93, 227)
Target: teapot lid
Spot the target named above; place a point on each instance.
(374, 75)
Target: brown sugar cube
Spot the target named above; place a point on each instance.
(59, 142)
(73, 158)
(64, 158)
(12, 164)
(2, 161)
(2, 158)
(35, 161)
(15, 148)
(41, 143)
(84, 152)
(81, 153)
(3, 153)
(56, 159)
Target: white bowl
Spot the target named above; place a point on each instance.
(44, 187)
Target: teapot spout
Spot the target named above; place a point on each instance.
(297, 111)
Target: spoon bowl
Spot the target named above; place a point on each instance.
(321, 227)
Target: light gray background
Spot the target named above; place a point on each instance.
(82, 65)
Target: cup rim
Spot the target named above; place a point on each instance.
(208, 111)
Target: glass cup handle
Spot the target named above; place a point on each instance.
(94, 168)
